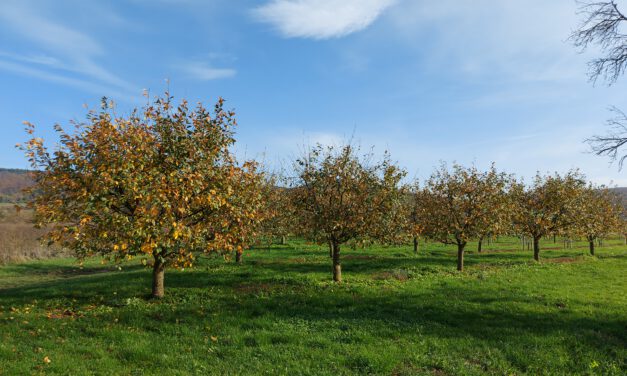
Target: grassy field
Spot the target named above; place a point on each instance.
(278, 313)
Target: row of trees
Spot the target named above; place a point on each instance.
(162, 185)
(339, 197)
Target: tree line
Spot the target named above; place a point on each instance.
(162, 185)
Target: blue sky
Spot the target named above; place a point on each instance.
(472, 81)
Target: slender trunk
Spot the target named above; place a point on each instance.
(536, 248)
(238, 256)
(158, 274)
(282, 239)
(416, 244)
(480, 244)
(591, 242)
(460, 256)
(522, 240)
(554, 238)
(330, 249)
(625, 240)
(337, 267)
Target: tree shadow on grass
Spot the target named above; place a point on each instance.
(89, 282)
(40, 269)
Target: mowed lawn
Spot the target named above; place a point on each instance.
(279, 313)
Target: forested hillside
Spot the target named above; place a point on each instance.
(12, 182)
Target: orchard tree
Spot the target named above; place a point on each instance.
(415, 205)
(599, 214)
(500, 205)
(461, 205)
(160, 185)
(246, 207)
(341, 196)
(548, 207)
(278, 221)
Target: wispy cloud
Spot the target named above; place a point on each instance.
(58, 47)
(320, 19)
(200, 70)
(81, 84)
(519, 40)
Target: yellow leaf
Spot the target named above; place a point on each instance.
(47, 360)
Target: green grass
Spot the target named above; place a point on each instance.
(278, 313)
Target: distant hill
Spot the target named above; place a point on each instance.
(12, 182)
(622, 192)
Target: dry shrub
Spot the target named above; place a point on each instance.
(19, 240)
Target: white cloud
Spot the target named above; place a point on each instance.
(204, 71)
(84, 85)
(320, 19)
(64, 48)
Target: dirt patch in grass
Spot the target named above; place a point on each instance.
(58, 314)
(438, 372)
(359, 257)
(563, 260)
(298, 260)
(498, 251)
(399, 275)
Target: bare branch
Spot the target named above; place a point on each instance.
(602, 21)
(611, 143)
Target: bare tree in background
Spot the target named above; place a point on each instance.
(602, 26)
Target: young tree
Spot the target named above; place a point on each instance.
(462, 203)
(415, 213)
(548, 207)
(599, 214)
(341, 196)
(278, 221)
(160, 183)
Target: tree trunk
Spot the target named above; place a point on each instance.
(554, 238)
(480, 244)
(158, 277)
(536, 248)
(416, 244)
(337, 267)
(460, 256)
(282, 239)
(238, 256)
(330, 249)
(591, 242)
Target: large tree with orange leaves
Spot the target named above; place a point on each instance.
(160, 185)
